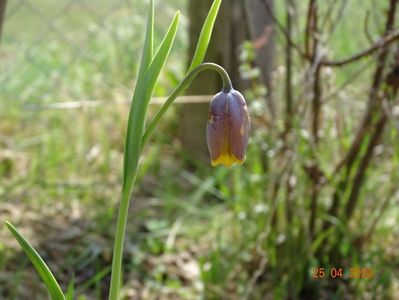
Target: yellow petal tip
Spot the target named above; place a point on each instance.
(226, 160)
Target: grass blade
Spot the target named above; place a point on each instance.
(205, 36)
(47, 277)
(140, 102)
(70, 294)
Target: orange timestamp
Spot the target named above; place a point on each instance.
(343, 273)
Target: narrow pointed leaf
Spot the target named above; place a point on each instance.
(47, 277)
(140, 103)
(70, 290)
(148, 43)
(200, 51)
(205, 36)
(147, 55)
(135, 128)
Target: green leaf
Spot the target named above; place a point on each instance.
(140, 101)
(96, 278)
(200, 51)
(47, 277)
(70, 290)
(179, 89)
(148, 43)
(135, 128)
(146, 59)
(205, 36)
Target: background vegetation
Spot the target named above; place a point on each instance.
(251, 232)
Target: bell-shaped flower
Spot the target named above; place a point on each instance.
(228, 127)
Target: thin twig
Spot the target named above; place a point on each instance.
(288, 65)
(338, 17)
(265, 233)
(393, 190)
(366, 27)
(327, 17)
(373, 100)
(364, 163)
(373, 107)
(309, 27)
(384, 42)
(352, 77)
(388, 111)
(282, 29)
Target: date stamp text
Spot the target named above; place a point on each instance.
(343, 273)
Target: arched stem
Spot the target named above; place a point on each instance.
(185, 83)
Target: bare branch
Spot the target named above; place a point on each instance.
(309, 26)
(374, 107)
(288, 65)
(364, 163)
(393, 190)
(338, 17)
(382, 43)
(282, 29)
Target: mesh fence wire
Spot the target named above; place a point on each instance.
(55, 50)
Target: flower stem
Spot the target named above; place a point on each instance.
(127, 189)
(227, 87)
(118, 245)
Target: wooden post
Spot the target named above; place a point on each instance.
(261, 33)
(2, 14)
(228, 34)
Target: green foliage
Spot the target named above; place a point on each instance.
(150, 69)
(205, 36)
(48, 279)
(197, 60)
(140, 101)
(216, 219)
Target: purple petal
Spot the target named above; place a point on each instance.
(216, 127)
(238, 124)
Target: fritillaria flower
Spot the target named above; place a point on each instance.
(228, 128)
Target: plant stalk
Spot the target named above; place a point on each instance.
(185, 83)
(127, 189)
(118, 244)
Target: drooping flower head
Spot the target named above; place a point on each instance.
(228, 127)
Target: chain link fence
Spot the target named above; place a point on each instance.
(65, 50)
